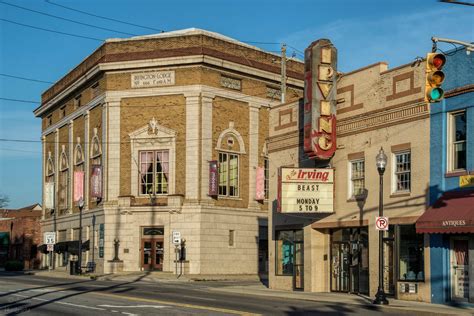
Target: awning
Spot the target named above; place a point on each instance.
(453, 212)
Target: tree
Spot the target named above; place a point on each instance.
(4, 200)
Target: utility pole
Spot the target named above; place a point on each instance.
(283, 73)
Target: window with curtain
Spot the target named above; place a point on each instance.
(154, 172)
(228, 174)
(285, 243)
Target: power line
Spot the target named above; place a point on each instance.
(65, 19)
(18, 100)
(52, 31)
(23, 78)
(103, 17)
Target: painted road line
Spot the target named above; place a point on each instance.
(192, 306)
(199, 298)
(134, 306)
(55, 302)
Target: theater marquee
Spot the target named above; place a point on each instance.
(306, 190)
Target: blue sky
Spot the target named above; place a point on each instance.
(364, 31)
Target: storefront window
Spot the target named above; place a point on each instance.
(285, 245)
(411, 259)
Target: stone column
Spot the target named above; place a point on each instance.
(253, 152)
(192, 147)
(71, 167)
(206, 142)
(86, 152)
(112, 110)
(56, 171)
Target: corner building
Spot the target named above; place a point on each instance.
(142, 118)
(338, 252)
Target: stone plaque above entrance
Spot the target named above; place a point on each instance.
(152, 79)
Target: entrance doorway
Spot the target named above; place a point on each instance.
(460, 269)
(152, 255)
(298, 281)
(152, 248)
(349, 260)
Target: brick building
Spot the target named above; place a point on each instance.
(142, 118)
(339, 251)
(20, 235)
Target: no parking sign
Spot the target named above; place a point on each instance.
(381, 223)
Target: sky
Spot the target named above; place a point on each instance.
(364, 32)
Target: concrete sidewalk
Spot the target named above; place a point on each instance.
(255, 287)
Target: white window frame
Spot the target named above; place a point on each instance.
(229, 153)
(161, 138)
(395, 173)
(351, 194)
(451, 142)
(154, 172)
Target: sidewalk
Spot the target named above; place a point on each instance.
(254, 287)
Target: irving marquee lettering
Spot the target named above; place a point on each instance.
(313, 175)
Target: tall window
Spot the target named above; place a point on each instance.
(266, 166)
(95, 149)
(79, 158)
(64, 182)
(411, 258)
(357, 177)
(457, 141)
(154, 172)
(402, 171)
(285, 246)
(228, 174)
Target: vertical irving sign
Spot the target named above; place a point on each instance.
(320, 99)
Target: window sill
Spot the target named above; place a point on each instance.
(223, 197)
(400, 194)
(458, 173)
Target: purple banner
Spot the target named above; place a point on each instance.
(213, 178)
(96, 181)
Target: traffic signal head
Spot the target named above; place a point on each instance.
(434, 77)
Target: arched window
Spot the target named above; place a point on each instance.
(49, 167)
(78, 156)
(95, 150)
(230, 146)
(63, 188)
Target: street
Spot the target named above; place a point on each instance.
(35, 295)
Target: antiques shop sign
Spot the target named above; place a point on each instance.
(153, 79)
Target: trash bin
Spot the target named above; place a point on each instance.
(73, 267)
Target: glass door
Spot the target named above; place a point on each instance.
(147, 259)
(460, 269)
(298, 271)
(340, 256)
(159, 251)
(152, 255)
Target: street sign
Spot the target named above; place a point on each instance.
(381, 223)
(49, 247)
(49, 238)
(176, 237)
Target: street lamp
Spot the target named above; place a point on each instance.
(80, 203)
(381, 161)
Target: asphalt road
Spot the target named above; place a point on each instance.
(34, 295)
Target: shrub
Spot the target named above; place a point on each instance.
(13, 266)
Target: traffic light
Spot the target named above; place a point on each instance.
(434, 77)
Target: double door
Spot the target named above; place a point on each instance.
(349, 267)
(152, 254)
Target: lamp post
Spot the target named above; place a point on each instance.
(381, 161)
(80, 203)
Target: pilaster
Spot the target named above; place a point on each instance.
(86, 160)
(113, 145)
(192, 147)
(70, 173)
(206, 142)
(56, 171)
(43, 168)
(253, 151)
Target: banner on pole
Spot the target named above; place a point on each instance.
(49, 195)
(96, 181)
